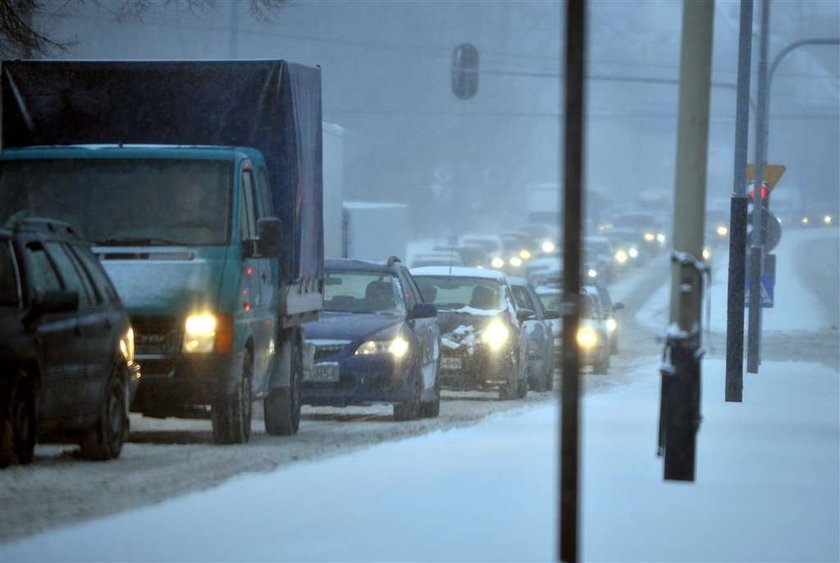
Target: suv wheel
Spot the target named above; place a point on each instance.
(105, 440)
(18, 425)
(510, 389)
(231, 415)
(282, 406)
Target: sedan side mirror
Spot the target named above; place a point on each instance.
(552, 314)
(618, 306)
(270, 237)
(423, 311)
(57, 301)
(525, 314)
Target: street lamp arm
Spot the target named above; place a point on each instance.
(795, 45)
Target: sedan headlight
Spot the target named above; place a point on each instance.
(127, 345)
(495, 335)
(587, 337)
(621, 257)
(200, 333)
(397, 347)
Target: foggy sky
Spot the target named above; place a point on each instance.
(386, 81)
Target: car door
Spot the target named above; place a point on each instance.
(533, 330)
(92, 322)
(60, 340)
(426, 330)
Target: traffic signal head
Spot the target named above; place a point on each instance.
(465, 71)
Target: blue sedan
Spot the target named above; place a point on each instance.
(375, 342)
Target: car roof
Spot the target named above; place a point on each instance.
(459, 272)
(516, 280)
(347, 264)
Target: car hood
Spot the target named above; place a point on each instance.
(168, 281)
(449, 321)
(350, 326)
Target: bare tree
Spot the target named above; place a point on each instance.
(21, 37)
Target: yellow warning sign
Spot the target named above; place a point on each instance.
(772, 174)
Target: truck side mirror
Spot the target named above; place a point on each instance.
(618, 306)
(269, 237)
(525, 314)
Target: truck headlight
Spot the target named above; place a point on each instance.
(612, 324)
(200, 333)
(587, 337)
(397, 347)
(127, 345)
(495, 335)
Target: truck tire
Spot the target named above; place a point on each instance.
(18, 425)
(231, 414)
(105, 439)
(282, 405)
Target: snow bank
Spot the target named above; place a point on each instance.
(768, 489)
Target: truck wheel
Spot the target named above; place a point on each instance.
(105, 440)
(432, 408)
(282, 406)
(18, 425)
(231, 415)
(410, 410)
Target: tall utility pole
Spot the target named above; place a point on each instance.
(759, 205)
(572, 211)
(680, 399)
(738, 215)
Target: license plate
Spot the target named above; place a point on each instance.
(326, 372)
(451, 363)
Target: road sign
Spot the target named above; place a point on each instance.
(772, 231)
(772, 174)
(768, 289)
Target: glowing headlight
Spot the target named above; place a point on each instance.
(127, 345)
(592, 273)
(200, 333)
(548, 247)
(805, 220)
(660, 238)
(633, 252)
(722, 231)
(587, 337)
(497, 263)
(650, 237)
(612, 324)
(397, 347)
(827, 219)
(516, 261)
(621, 257)
(525, 254)
(495, 335)
(707, 254)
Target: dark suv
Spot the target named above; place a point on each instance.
(67, 366)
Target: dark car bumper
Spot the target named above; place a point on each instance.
(190, 381)
(484, 369)
(361, 380)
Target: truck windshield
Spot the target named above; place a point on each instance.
(123, 201)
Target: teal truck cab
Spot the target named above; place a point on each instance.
(213, 238)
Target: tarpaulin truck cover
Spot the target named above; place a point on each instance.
(273, 106)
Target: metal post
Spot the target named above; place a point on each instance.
(738, 216)
(757, 247)
(233, 40)
(680, 416)
(572, 211)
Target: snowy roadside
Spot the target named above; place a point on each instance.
(768, 488)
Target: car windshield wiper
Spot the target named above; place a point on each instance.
(139, 241)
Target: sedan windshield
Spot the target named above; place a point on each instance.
(125, 201)
(362, 292)
(451, 293)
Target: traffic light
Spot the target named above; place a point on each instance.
(765, 191)
(465, 71)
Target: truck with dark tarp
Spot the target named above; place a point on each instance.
(199, 186)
